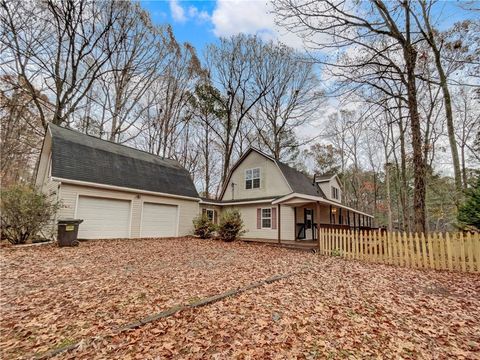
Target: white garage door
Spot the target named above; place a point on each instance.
(103, 218)
(159, 220)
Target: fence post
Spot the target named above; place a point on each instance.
(349, 243)
(477, 250)
(470, 242)
(449, 252)
(391, 242)
(386, 241)
(423, 240)
(361, 245)
(462, 253)
(443, 262)
(417, 251)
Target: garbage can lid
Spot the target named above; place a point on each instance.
(69, 221)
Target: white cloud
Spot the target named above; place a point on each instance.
(181, 15)
(194, 13)
(178, 13)
(231, 17)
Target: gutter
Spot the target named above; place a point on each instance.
(120, 188)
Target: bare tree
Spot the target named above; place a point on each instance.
(376, 26)
(59, 49)
(138, 60)
(235, 68)
(293, 99)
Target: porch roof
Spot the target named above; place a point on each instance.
(298, 198)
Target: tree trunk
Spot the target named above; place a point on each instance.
(389, 199)
(448, 104)
(410, 56)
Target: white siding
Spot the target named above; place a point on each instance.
(249, 216)
(187, 209)
(272, 181)
(326, 187)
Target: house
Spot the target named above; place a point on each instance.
(118, 191)
(281, 204)
(122, 192)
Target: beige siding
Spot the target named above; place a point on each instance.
(327, 189)
(249, 216)
(188, 209)
(287, 226)
(44, 182)
(216, 208)
(272, 182)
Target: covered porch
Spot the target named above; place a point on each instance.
(312, 213)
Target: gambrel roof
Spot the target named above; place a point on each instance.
(298, 181)
(80, 157)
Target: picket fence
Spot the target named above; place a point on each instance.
(454, 251)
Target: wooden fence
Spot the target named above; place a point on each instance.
(455, 251)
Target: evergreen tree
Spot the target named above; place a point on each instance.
(469, 212)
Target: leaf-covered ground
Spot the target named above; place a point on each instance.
(335, 308)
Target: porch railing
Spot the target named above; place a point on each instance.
(449, 251)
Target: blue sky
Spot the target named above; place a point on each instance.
(197, 31)
(203, 22)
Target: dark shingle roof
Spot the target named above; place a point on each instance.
(299, 182)
(324, 177)
(77, 156)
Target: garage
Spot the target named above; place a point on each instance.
(159, 220)
(103, 218)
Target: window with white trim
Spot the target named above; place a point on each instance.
(335, 193)
(266, 218)
(210, 214)
(252, 178)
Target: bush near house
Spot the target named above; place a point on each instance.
(231, 225)
(469, 212)
(203, 227)
(24, 212)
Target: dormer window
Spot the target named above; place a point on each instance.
(335, 193)
(252, 178)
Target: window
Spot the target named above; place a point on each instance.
(252, 178)
(335, 193)
(210, 214)
(267, 218)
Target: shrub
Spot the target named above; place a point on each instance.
(24, 212)
(231, 225)
(469, 212)
(203, 226)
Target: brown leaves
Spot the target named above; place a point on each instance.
(335, 309)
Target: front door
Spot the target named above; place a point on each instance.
(309, 224)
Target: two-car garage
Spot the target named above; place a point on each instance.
(110, 218)
(118, 191)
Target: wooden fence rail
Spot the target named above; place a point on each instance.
(454, 251)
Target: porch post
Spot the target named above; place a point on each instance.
(348, 218)
(318, 224)
(330, 214)
(354, 221)
(294, 223)
(340, 216)
(279, 222)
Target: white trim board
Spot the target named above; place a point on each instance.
(120, 188)
(320, 200)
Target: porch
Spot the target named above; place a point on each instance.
(313, 213)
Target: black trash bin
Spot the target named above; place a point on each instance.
(68, 232)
